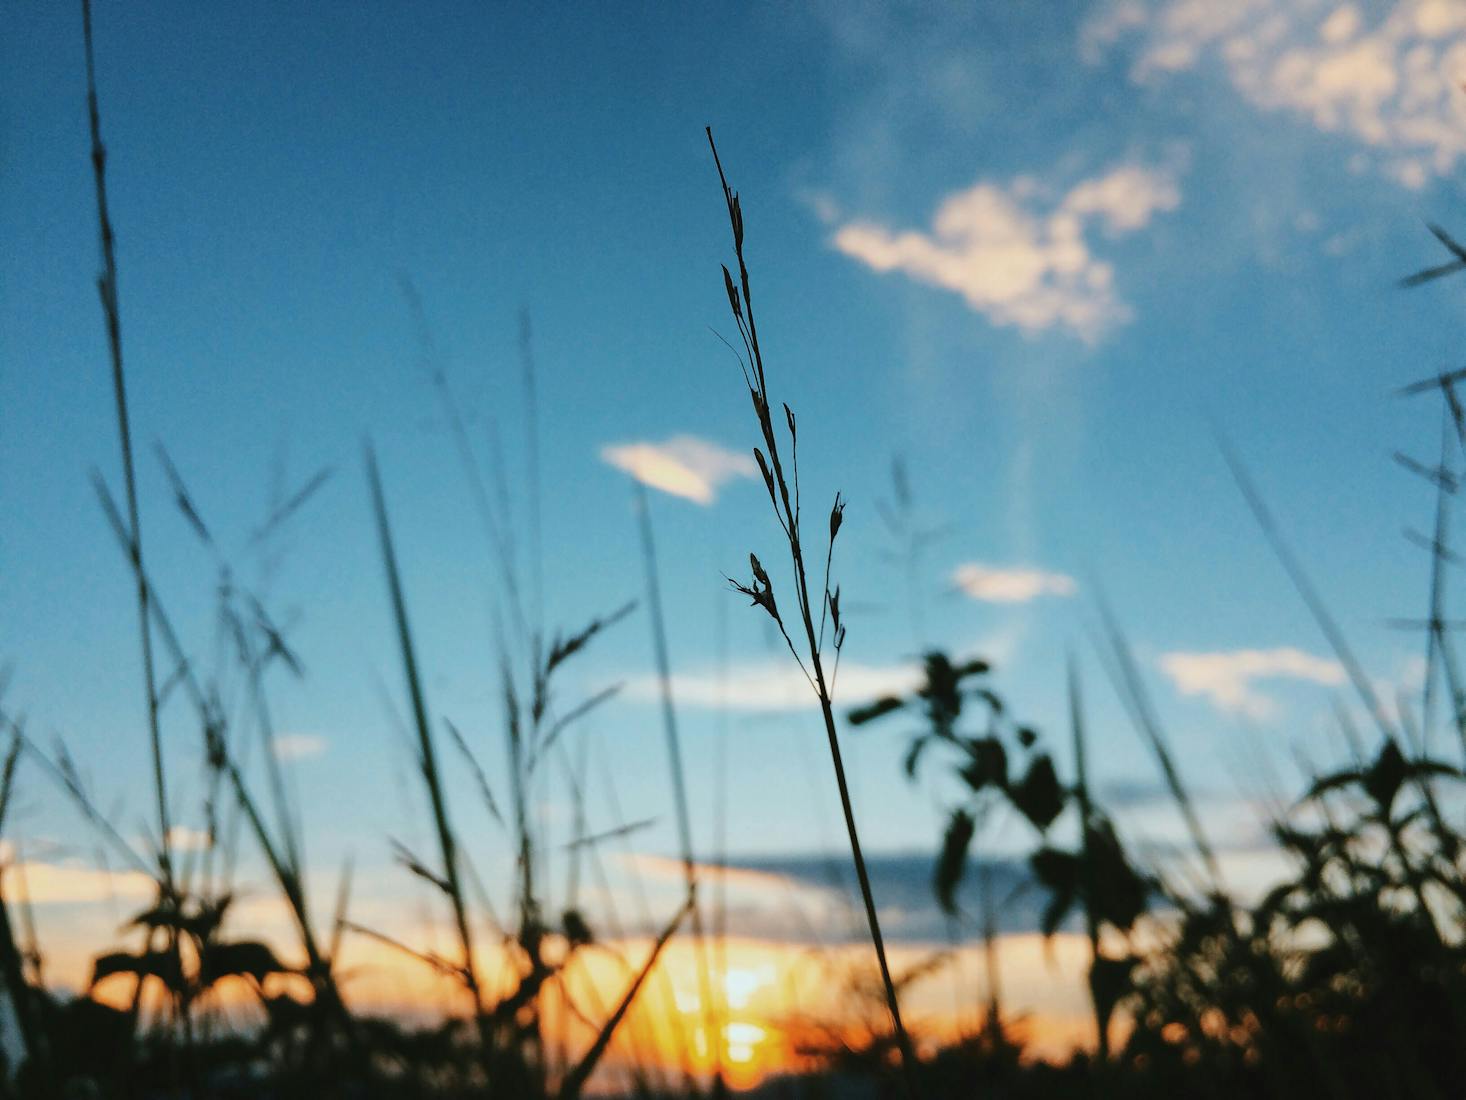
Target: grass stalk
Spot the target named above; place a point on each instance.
(107, 290)
(1087, 864)
(786, 504)
(447, 842)
(575, 1080)
(679, 776)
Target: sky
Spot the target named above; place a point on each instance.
(1041, 256)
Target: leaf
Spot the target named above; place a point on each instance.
(859, 716)
(952, 862)
(577, 931)
(163, 915)
(942, 694)
(245, 958)
(1109, 980)
(1039, 797)
(995, 704)
(162, 965)
(1057, 909)
(913, 754)
(1054, 869)
(1334, 782)
(1119, 891)
(989, 765)
(1058, 872)
(1383, 779)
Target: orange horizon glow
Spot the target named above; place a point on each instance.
(772, 1000)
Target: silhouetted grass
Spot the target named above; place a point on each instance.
(1346, 979)
(759, 589)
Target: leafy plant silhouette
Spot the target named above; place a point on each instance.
(1001, 763)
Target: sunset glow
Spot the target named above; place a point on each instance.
(776, 1002)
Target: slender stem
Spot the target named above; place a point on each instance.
(1086, 810)
(679, 775)
(107, 287)
(827, 710)
(446, 842)
(789, 522)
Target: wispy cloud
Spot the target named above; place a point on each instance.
(1391, 80)
(684, 465)
(1227, 678)
(777, 686)
(670, 869)
(183, 839)
(299, 746)
(1010, 584)
(1018, 256)
(72, 883)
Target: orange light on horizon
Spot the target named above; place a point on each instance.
(774, 1002)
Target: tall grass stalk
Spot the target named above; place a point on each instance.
(784, 497)
(111, 312)
(427, 760)
(284, 865)
(679, 777)
(1124, 672)
(23, 1002)
(1087, 864)
(107, 290)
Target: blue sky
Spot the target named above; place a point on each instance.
(1039, 254)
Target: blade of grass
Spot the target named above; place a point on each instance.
(787, 513)
(1131, 687)
(107, 289)
(679, 772)
(1291, 565)
(574, 1082)
(447, 842)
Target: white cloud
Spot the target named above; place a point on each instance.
(777, 686)
(1012, 584)
(1226, 678)
(299, 746)
(684, 465)
(1391, 81)
(1018, 259)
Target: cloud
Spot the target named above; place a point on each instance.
(299, 746)
(902, 885)
(670, 869)
(1013, 584)
(812, 896)
(183, 839)
(1020, 260)
(684, 465)
(1226, 678)
(1390, 81)
(769, 686)
(72, 883)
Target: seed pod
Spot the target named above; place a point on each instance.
(758, 571)
(732, 292)
(764, 469)
(837, 517)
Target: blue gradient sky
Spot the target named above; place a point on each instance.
(276, 169)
